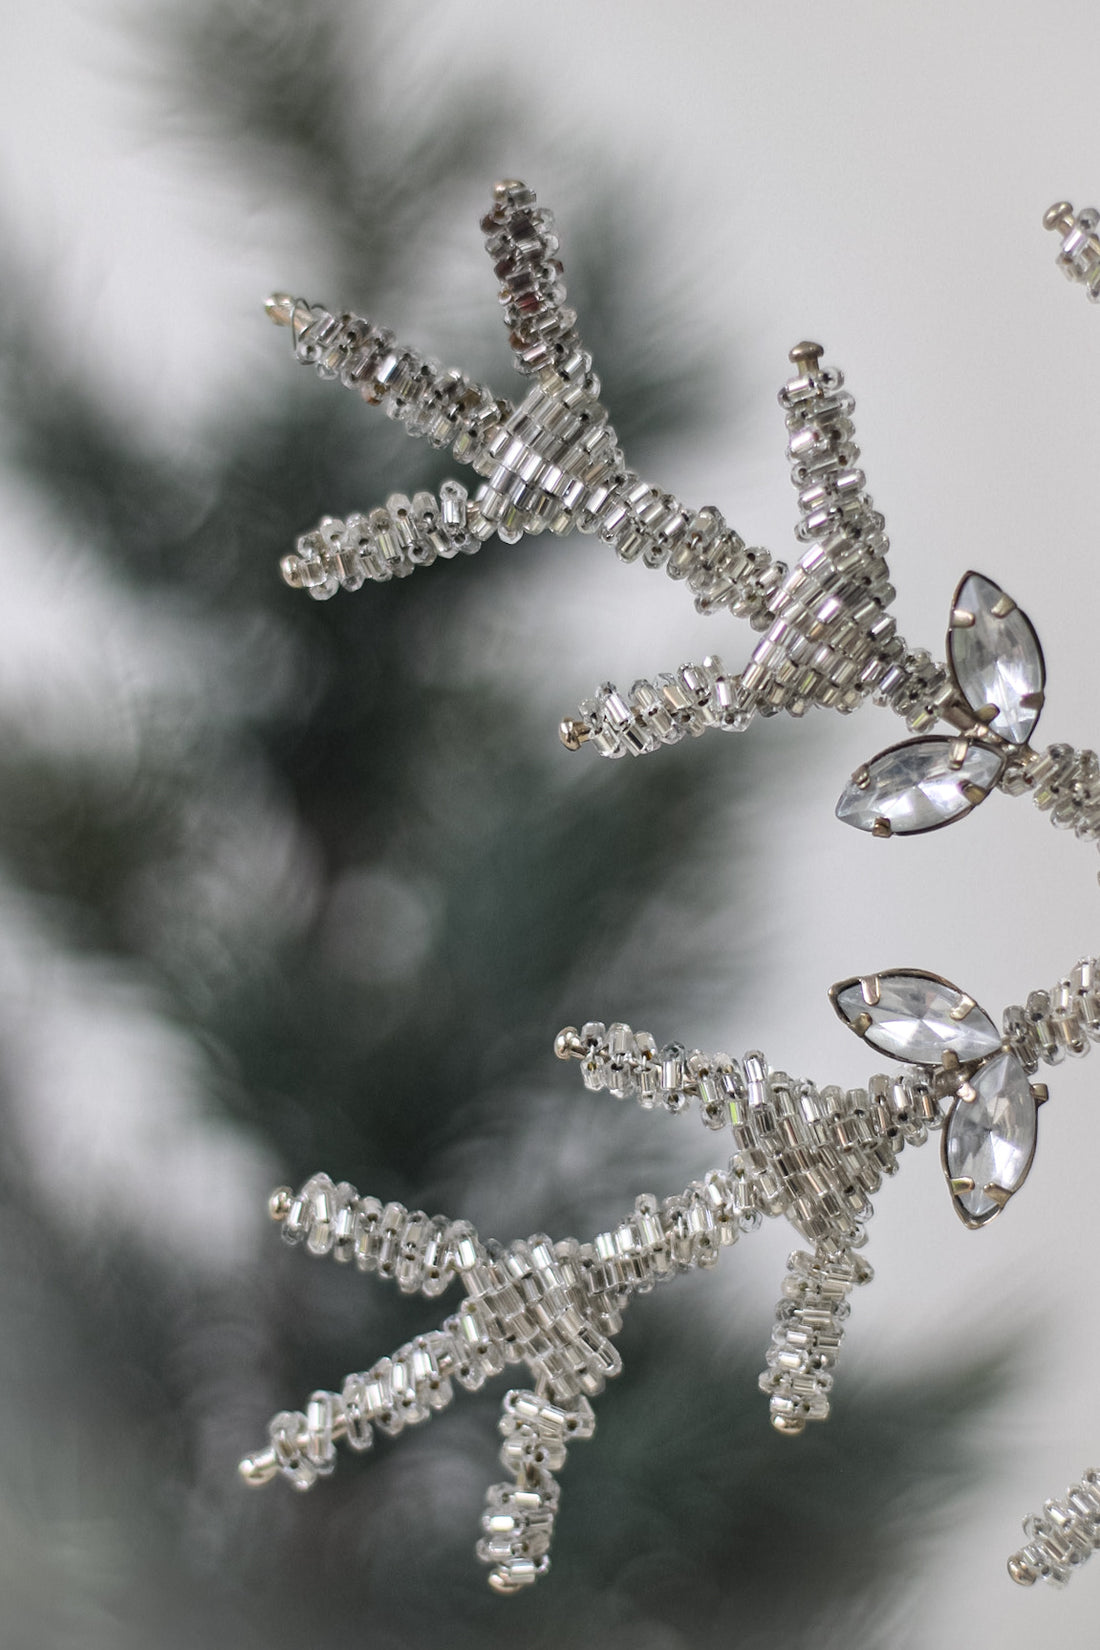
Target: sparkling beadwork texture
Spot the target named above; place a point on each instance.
(1061, 1537)
(815, 1156)
(1079, 254)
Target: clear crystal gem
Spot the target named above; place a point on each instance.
(997, 660)
(917, 1017)
(991, 1139)
(919, 786)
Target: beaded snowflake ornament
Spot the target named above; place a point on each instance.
(813, 1154)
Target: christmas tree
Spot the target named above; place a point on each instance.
(339, 886)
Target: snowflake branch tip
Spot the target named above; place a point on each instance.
(1079, 253)
(518, 1521)
(1062, 1537)
(681, 705)
(522, 242)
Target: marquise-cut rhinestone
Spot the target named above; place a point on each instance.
(919, 786)
(917, 1018)
(996, 660)
(991, 1139)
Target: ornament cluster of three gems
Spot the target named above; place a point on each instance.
(814, 1154)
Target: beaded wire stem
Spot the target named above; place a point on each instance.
(814, 1155)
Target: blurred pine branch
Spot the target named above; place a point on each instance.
(355, 886)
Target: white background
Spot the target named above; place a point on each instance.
(872, 175)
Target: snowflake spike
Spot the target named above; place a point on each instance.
(809, 1328)
(629, 1064)
(442, 404)
(421, 1253)
(518, 1521)
(831, 641)
(520, 240)
(678, 706)
(390, 543)
(1062, 1537)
